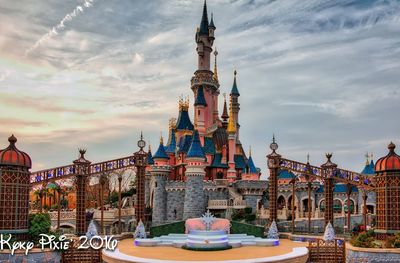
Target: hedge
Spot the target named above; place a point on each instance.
(243, 228)
(172, 228)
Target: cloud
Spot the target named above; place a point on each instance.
(60, 26)
(322, 75)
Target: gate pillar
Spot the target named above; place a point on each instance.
(328, 170)
(273, 165)
(81, 167)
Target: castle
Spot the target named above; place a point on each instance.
(203, 164)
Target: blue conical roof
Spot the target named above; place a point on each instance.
(200, 100)
(184, 122)
(195, 150)
(171, 147)
(160, 153)
(235, 90)
(369, 169)
(212, 22)
(204, 21)
(252, 167)
(150, 158)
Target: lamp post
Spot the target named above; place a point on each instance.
(119, 202)
(103, 180)
(140, 163)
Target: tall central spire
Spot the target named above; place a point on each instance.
(204, 21)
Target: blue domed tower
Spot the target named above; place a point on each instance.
(160, 171)
(194, 205)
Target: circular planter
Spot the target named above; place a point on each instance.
(35, 255)
(357, 254)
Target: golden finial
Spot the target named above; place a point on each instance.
(235, 73)
(149, 146)
(183, 103)
(161, 139)
(215, 76)
(371, 156)
(231, 123)
(172, 123)
(367, 158)
(249, 151)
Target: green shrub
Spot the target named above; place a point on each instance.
(248, 210)
(364, 239)
(243, 228)
(393, 241)
(250, 218)
(172, 228)
(39, 223)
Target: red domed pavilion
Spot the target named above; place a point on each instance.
(14, 190)
(387, 171)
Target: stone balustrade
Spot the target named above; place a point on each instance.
(224, 204)
(64, 215)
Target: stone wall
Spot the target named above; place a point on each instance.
(251, 201)
(194, 201)
(372, 255)
(175, 205)
(220, 194)
(160, 200)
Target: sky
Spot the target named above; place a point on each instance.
(322, 75)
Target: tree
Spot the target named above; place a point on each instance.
(39, 223)
(329, 234)
(140, 231)
(273, 231)
(92, 230)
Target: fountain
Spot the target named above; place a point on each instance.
(207, 233)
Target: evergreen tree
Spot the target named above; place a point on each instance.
(92, 230)
(329, 234)
(273, 231)
(140, 231)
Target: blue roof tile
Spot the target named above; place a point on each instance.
(209, 146)
(235, 90)
(195, 150)
(184, 122)
(369, 168)
(184, 143)
(216, 162)
(160, 153)
(285, 174)
(252, 167)
(171, 147)
(200, 100)
(339, 188)
(240, 163)
(150, 158)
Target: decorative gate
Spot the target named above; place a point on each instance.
(327, 251)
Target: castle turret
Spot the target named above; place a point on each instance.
(235, 104)
(251, 172)
(199, 113)
(225, 115)
(231, 174)
(147, 184)
(160, 171)
(203, 77)
(194, 204)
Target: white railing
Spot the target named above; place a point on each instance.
(239, 204)
(221, 182)
(64, 215)
(217, 204)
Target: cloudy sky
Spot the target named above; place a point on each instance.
(323, 75)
